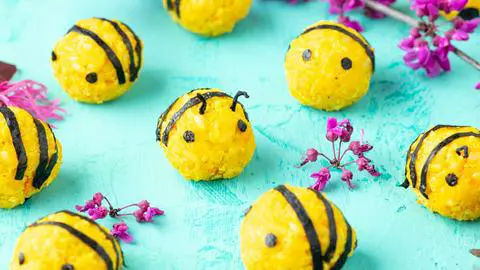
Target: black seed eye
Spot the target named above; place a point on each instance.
(188, 136)
(270, 240)
(21, 258)
(451, 179)
(54, 56)
(306, 55)
(67, 267)
(346, 63)
(469, 13)
(91, 77)
(241, 125)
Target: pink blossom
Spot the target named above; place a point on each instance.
(321, 178)
(88, 205)
(347, 177)
(477, 86)
(98, 213)
(120, 231)
(32, 97)
(345, 20)
(98, 198)
(144, 205)
(359, 148)
(339, 6)
(376, 14)
(151, 213)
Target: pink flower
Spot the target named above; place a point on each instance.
(358, 148)
(345, 20)
(90, 204)
(151, 213)
(120, 231)
(477, 86)
(321, 178)
(364, 164)
(98, 198)
(340, 6)
(138, 214)
(144, 205)
(98, 213)
(32, 97)
(376, 14)
(342, 130)
(347, 177)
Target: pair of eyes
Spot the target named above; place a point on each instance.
(346, 63)
(451, 178)
(189, 136)
(21, 261)
(91, 77)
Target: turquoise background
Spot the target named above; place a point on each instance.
(111, 148)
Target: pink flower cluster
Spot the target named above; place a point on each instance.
(342, 6)
(96, 210)
(340, 132)
(425, 47)
(32, 97)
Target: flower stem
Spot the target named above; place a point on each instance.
(333, 150)
(323, 155)
(339, 148)
(418, 24)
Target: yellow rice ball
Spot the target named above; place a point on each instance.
(66, 241)
(295, 228)
(443, 168)
(329, 66)
(206, 135)
(208, 17)
(30, 156)
(97, 60)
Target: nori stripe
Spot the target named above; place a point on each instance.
(445, 142)
(307, 225)
(17, 141)
(82, 237)
(108, 51)
(128, 44)
(362, 43)
(348, 248)
(138, 50)
(177, 8)
(332, 227)
(107, 234)
(43, 159)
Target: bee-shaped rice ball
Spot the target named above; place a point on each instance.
(30, 156)
(443, 168)
(329, 66)
(97, 60)
(206, 135)
(208, 17)
(295, 228)
(66, 241)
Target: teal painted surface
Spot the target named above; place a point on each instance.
(111, 148)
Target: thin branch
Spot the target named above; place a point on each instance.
(416, 23)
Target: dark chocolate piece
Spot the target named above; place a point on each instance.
(423, 183)
(54, 56)
(270, 240)
(107, 235)
(307, 55)
(82, 237)
(138, 50)
(108, 51)
(332, 227)
(451, 179)
(463, 149)
(346, 63)
(189, 136)
(6, 71)
(128, 45)
(43, 159)
(469, 13)
(347, 249)
(21, 258)
(17, 141)
(91, 77)
(365, 45)
(242, 126)
(307, 225)
(67, 267)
